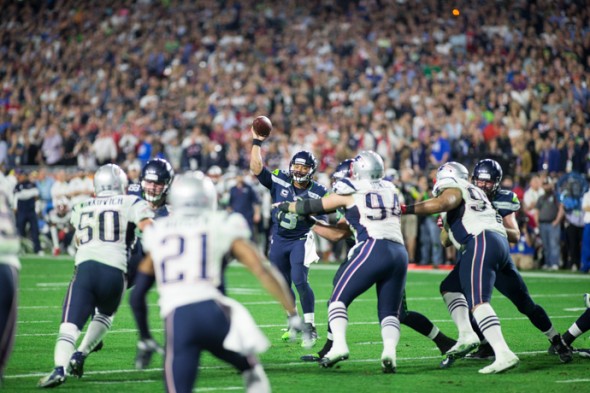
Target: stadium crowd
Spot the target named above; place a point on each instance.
(87, 83)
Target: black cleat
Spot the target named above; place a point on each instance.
(310, 358)
(445, 344)
(98, 346)
(56, 378)
(484, 352)
(585, 353)
(561, 349)
(77, 364)
(447, 362)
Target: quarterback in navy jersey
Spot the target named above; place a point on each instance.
(292, 247)
(155, 180)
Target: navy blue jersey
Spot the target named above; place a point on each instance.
(506, 202)
(280, 184)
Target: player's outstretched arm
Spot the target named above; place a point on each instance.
(268, 276)
(316, 206)
(449, 199)
(256, 164)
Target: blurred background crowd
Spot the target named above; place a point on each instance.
(88, 83)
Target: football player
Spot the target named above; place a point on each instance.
(471, 224)
(412, 319)
(60, 229)
(487, 175)
(292, 248)
(185, 253)
(155, 180)
(99, 281)
(9, 272)
(379, 257)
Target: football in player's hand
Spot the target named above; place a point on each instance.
(262, 126)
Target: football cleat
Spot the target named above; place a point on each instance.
(560, 348)
(388, 363)
(484, 352)
(504, 363)
(461, 349)
(332, 358)
(310, 336)
(77, 364)
(446, 344)
(310, 358)
(56, 378)
(585, 353)
(587, 299)
(289, 335)
(447, 362)
(145, 351)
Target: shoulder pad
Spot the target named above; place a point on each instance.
(344, 187)
(444, 183)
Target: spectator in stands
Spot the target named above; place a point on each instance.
(244, 200)
(550, 213)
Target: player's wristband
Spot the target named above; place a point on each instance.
(408, 209)
(256, 142)
(284, 207)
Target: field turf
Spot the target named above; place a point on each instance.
(43, 283)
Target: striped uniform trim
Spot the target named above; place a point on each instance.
(337, 312)
(488, 322)
(352, 268)
(390, 321)
(457, 303)
(169, 358)
(280, 181)
(68, 300)
(477, 269)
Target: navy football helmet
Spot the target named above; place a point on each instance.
(156, 176)
(343, 171)
(303, 158)
(487, 175)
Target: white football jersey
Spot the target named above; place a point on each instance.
(473, 216)
(376, 210)
(102, 228)
(188, 255)
(9, 239)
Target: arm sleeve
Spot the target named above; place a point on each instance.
(265, 178)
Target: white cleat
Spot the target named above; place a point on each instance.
(463, 347)
(502, 363)
(333, 357)
(388, 363)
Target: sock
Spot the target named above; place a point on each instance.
(568, 337)
(418, 322)
(434, 333)
(390, 333)
(551, 333)
(459, 310)
(338, 319)
(66, 344)
(309, 318)
(489, 323)
(97, 329)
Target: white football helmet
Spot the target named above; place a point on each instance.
(194, 192)
(368, 165)
(110, 180)
(453, 170)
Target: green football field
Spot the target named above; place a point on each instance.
(43, 283)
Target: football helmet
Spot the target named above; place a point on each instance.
(156, 176)
(487, 175)
(368, 165)
(342, 171)
(110, 180)
(452, 169)
(306, 159)
(193, 192)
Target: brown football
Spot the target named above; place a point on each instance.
(262, 126)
